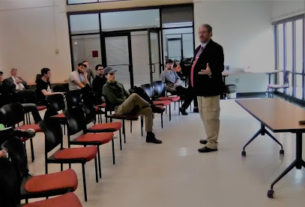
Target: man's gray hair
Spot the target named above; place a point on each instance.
(208, 27)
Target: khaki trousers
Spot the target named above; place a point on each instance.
(209, 109)
(137, 105)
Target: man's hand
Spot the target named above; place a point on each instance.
(207, 71)
(3, 153)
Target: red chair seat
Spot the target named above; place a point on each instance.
(55, 181)
(107, 126)
(61, 116)
(169, 98)
(69, 199)
(163, 103)
(98, 137)
(175, 98)
(40, 108)
(35, 127)
(87, 153)
(103, 105)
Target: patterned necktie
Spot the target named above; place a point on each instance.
(194, 64)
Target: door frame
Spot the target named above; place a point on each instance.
(158, 32)
(103, 48)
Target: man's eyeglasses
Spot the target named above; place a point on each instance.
(111, 73)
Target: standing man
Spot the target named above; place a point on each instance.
(206, 80)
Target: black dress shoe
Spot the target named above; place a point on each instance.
(203, 141)
(183, 112)
(151, 138)
(206, 149)
(196, 110)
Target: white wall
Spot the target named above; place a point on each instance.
(244, 30)
(34, 34)
(287, 8)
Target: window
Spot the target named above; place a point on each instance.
(280, 45)
(299, 45)
(288, 46)
(126, 20)
(290, 54)
(84, 23)
(88, 1)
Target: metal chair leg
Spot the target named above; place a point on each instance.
(120, 134)
(32, 150)
(99, 161)
(84, 181)
(113, 152)
(96, 173)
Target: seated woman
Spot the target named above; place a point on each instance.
(43, 86)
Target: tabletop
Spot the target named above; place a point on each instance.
(275, 113)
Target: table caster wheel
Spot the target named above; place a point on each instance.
(243, 153)
(270, 193)
(282, 152)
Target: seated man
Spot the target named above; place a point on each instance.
(124, 103)
(43, 86)
(89, 71)
(14, 83)
(98, 83)
(1, 79)
(174, 86)
(172, 80)
(78, 79)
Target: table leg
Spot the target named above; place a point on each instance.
(262, 131)
(298, 163)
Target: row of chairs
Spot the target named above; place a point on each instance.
(76, 114)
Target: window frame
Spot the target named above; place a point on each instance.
(293, 71)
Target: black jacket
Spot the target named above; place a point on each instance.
(97, 87)
(213, 85)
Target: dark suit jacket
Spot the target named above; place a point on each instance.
(203, 84)
(9, 85)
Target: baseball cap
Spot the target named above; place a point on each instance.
(108, 70)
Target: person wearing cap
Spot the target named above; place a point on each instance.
(125, 103)
(78, 78)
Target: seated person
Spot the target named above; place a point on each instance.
(172, 80)
(98, 83)
(43, 86)
(1, 77)
(14, 83)
(125, 103)
(90, 72)
(78, 78)
(177, 68)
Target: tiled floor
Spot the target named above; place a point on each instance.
(174, 174)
